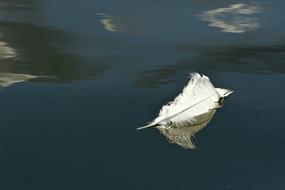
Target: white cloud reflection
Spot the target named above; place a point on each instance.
(7, 79)
(6, 51)
(233, 19)
(112, 23)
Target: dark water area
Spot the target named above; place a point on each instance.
(78, 77)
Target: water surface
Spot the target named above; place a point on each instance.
(78, 77)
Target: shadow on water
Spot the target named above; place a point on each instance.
(39, 51)
(17, 4)
(255, 59)
(159, 76)
(20, 10)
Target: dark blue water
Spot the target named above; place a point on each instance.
(91, 72)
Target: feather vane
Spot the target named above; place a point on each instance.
(190, 111)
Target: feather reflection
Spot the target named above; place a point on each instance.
(233, 19)
(183, 136)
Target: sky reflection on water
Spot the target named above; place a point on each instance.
(84, 56)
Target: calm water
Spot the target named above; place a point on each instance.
(97, 70)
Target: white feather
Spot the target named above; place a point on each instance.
(190, 111)
(224, 92)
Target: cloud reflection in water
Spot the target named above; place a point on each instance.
(233, 19)
(7, 79)
(6, 51)
(112, 23)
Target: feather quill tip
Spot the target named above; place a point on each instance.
(148, 126)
